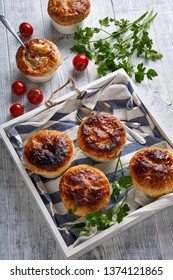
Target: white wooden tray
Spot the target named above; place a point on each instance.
(134, 217)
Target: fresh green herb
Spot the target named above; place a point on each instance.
(74, 209)
(119, 211)
(112, 51)
(140, 73)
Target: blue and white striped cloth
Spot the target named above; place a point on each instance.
(63, 118)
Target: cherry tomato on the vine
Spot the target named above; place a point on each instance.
(25, 29)
(16, 110)
(80, 62)
(18, 88)
(35, 96)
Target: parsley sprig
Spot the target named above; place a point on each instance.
(104, 220)
(114, 50)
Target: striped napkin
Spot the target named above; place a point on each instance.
(63, 118)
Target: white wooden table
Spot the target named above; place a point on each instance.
(23, 232)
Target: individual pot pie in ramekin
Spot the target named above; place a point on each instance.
(86, 186)
(101, 137)
(67, 15)
(41, 61)
(151, 170)
(48, 153)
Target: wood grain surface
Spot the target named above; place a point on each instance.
(23, 231)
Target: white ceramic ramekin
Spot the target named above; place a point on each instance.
(66, 29)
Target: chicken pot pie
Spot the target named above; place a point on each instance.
(41, 61)
(152, 171)
(86, 186)
(48, 153)
(101, 137)
(67, 15)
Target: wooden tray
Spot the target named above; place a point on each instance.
(130, 220)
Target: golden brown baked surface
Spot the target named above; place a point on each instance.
(43, 58)
(152, 171)
(48, 153)
(68, 12)
(85, 185)
(101, 136)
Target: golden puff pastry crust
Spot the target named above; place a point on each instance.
(43, 58)
(68, 12)
(101, 137)
(48, 153)
(152, 171)
(87, 186)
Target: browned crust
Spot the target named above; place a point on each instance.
(46, 66)
(48, 153)
(85, 185)
(101, 136)
(152, 171)
(68, 12)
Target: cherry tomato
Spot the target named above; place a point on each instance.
(16, 110)
(25, 29)
(18, 88)
(35, 96)
(80, 62)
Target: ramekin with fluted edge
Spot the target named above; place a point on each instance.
(69, 29)
(41, 62)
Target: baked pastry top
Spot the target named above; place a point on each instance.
(43, 58)
(101, 136)
(48, 153)
(85, 185)
(68, 12)
(152, 171)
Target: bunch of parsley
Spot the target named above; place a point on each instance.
(115, 50)
(103, 220)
